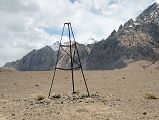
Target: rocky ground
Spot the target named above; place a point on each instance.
(127, 94)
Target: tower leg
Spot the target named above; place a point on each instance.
(73, 85)
(80, 62)
(52, 82)
(56, 63)
(85, 82)
(82, 71)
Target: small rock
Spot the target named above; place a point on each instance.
(144, 113)
(56, 96)
(89, 100)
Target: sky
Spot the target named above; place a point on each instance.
(32, 24)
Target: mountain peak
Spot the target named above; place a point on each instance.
(153, 7)
(55, 46)
(155, 3)
(46, 47)
(149, 14)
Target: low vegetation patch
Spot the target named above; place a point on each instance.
(79, 110)
(150, 96)
(40, 97)
(123, 77)
(56, 96)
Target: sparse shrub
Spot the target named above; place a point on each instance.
(95, 96)
(104, 100)
(123, 77)
(82, 96)
(56, 96)
(40, 97)
(118, 99)
(150, 96)
(82, 110)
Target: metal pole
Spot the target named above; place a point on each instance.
(53, 77)
(80, 63)
(82, 72)
(73, 86)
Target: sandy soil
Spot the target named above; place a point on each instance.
(127, 94)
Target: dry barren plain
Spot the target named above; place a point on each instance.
(130, 93)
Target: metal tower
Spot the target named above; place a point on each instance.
(75, 62)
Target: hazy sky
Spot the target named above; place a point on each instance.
(32, 24)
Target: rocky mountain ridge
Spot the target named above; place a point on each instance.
(45, 59)
(135, 40)
(42, 59)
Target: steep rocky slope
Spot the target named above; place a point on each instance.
(135, 40)
(45, 58)
(42, 59)
(84, 51)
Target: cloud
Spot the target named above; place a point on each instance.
(18, 6)
(32, 24)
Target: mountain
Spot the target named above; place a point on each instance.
(45, 58)
(42, 59)
(135, 40)
(55, 46)
(90, 41)
(84, 50)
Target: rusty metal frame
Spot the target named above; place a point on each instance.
(72, 57)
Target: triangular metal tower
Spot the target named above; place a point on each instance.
(73, 53)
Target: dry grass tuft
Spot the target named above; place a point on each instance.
(82, 96)
(123, 77)
(79, 110)
(150, 96)
(56, 96)
(40, 97)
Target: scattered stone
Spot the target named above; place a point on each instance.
(31, 103)
(88, 100)
(56, 96)
(144, 113)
